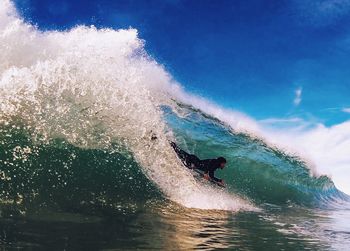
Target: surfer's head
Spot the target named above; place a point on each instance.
(222, 162)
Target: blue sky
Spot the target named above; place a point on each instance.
(269, 59)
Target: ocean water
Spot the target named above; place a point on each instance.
(79, 171)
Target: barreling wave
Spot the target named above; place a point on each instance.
(79, 108)
(256, 170)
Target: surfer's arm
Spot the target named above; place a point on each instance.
(211, 175)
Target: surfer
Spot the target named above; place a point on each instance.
(208, 166)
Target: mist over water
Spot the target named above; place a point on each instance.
(78, 111)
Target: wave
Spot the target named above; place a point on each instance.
(94, 89)
(79, 108)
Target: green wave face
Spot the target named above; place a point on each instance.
(255, 170)
(58, 175)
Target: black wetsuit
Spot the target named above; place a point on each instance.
(191, 161)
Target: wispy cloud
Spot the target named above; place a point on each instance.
(337, 109)
(281, 120)
(347, 110)
(297, 98)
(290, 123)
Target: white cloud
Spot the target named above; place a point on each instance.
(297, 98)
(290, 123)
(347, 110)
(280, 120)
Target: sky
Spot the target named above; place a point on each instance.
(281, 61)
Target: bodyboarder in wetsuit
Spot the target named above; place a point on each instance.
(208, 166)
